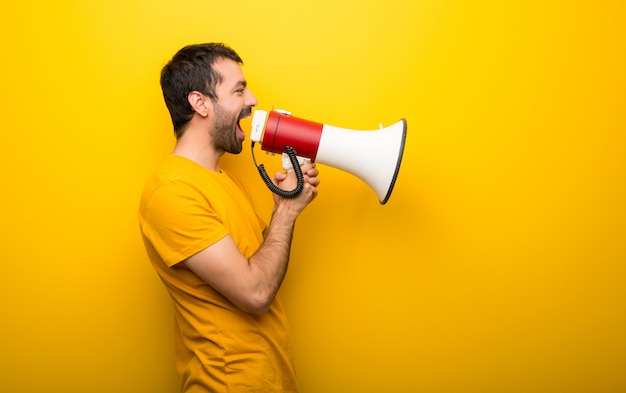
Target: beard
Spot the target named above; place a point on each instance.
(225, 130)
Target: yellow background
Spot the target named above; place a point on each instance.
(498, 265)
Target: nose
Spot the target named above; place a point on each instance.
(251, 99)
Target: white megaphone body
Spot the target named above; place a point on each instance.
(373, 156)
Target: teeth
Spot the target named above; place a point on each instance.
(246, 113)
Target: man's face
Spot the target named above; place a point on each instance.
(234, 102)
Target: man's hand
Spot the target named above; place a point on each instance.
(287, 181)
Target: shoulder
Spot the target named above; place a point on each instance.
(175, 179)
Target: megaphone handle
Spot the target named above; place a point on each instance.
(299, 176)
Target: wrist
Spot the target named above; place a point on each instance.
(284, 211)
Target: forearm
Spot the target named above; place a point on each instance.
(270, 262)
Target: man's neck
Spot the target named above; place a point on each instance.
(196, 146)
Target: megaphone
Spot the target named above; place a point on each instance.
(373, 156)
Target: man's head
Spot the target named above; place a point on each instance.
(199, 69)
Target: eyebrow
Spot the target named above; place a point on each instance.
(242, 83)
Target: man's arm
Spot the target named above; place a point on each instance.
(251, 284)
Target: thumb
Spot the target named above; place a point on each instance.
(280, 176)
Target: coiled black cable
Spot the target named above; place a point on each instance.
(296, 167)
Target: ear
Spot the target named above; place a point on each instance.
(200, 103)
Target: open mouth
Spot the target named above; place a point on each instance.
(245, 114)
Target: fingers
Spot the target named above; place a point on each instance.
(309, 167)
(309, 170)
(312, 180)
(310, 173)
(286, 180)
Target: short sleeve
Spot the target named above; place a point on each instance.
(179, 222)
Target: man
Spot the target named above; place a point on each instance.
(219, 262)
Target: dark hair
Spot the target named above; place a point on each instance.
(191, 69)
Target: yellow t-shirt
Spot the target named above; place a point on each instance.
(219, 348)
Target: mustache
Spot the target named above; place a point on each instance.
(245, 113)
